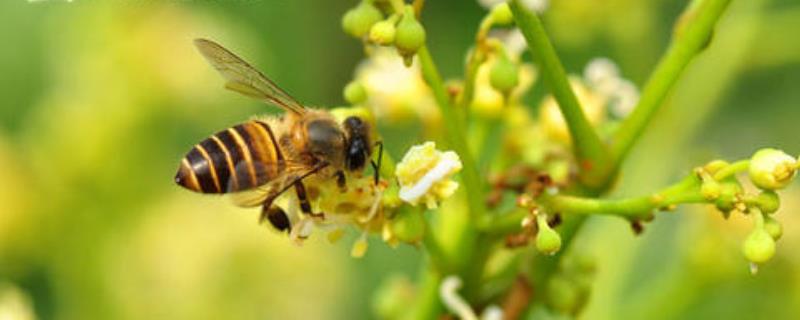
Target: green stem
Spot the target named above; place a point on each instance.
(434, 249)
(454, 130)
(732, 169)
(466, 262)
(692, 34)
(686, 191)
(591, 153)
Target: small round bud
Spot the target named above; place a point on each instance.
(382, 32)
(408, 227)
(355, 93)
(547, 240)
(410, 35)
(501, 14)
(504, 75)
(772, 169)
(768, 202)
(714, 166)
(710, 189)
(759, 246)
(773, 227)
(358, 21)
(730, 189)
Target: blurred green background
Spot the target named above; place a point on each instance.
(100, 100)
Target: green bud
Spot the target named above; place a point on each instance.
(358, 21)
(547, 240)
(408, 226)
(383, 32)
(504, 75)
(710, 189)
(729, 190)
(714, 166)
(773, 227)
(410, 35)
(355, 93)
(759, 246)
(772, 169)
(768, 202)
(501, 14)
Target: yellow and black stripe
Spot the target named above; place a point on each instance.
(242, 157)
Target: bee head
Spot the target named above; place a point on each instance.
(358, 148)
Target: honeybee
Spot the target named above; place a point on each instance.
(273, 154)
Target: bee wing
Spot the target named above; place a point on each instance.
(265, 193)
(245, 79)
(268, 192)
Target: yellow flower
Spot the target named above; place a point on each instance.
(424, 174)
(396, 92)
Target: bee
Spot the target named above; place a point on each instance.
(263, 158)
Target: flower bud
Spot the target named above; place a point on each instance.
(759, 246)
(355, 93)
(504, 75)
(730, 189)
(408, 227)
(383, 32)
(768, 202)
(358, 21)
(710, 189)
(773, 227)
(501, 14)
(410, 35)
(714, 166)
(772, 169)
(547, 240)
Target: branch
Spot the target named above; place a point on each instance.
(691, 35)
(591, 153)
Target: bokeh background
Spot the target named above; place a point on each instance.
(100, 99)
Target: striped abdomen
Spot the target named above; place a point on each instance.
(242, 157)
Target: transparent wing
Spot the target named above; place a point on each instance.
(245, 79)
(266, 193)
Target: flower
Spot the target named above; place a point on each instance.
(424, 174)
(394, 92)
(772, 169)
(602, 75)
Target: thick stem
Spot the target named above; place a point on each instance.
(591, 153)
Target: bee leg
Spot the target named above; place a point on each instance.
(305, 205)
(276, 217)
(341, 181)
(376, 167)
